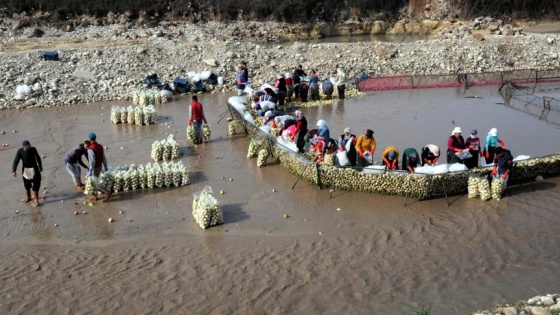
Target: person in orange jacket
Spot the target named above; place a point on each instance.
(365, 144)
(391, 157)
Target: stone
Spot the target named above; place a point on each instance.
(538, 310)
(84, 74)
(29, 80)
(510, 310)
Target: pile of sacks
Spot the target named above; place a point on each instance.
(138, 115)
(127, 177)
(206, 209)
(479, 186)
(150, 97)
(166, 149)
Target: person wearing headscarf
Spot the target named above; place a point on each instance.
(340, 83)
(271, 114)
(390, 157)
(283, 121)
(365, 145)
(492, 141)
(473, 144)
(430, 154)
(348, 144)
(455, 144)
(314, 85)
(300, 131)
(323, 130)
(410, 160)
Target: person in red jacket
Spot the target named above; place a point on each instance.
(97, 161)
(196, 119)
(455, 144)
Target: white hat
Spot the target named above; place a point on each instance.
(321, 123)
(456, 130)
(493, 132)
(347, 130)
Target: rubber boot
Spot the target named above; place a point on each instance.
(36, 198)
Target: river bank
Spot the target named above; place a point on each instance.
(106, 63)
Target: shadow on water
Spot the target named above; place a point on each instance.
(197, 177)
(234, 213)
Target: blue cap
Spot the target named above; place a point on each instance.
(391, 155)
(91, 136)
(474, 132)
(25, 143)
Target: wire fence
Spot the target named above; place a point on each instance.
(465, 80)
(527, 99)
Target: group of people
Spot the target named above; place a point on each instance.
(32, 167)
(358, 151)
(296, 86)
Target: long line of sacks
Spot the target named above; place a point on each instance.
(150, 97)
(138, 115)
(132, 177)
(166, 149)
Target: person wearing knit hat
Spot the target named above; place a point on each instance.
(31, 169)
(492, 142)
(347, 143)
(473, 144)
(455, 144)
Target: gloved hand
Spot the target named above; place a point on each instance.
(106, 168)
(190, 122)
(494, 171)
(341, 149)
(361, 153)
(90, 173)
(480, 152)
(487, 154)
(504, 177)
(372, 152)
(503, 144)
(458, 150)
(205, 121)
(292, 138)
(395, 164)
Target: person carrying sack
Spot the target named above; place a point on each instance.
(196, 113)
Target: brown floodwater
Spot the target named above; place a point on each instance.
(353, 253)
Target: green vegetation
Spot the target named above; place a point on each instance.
(423, 310)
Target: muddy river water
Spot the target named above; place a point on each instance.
(353, 253)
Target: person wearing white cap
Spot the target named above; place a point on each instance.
(348, 144)
(430, 154)
(282, 89)
(492, 141)
(455, 144)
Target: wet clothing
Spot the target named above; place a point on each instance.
(30, 159)
(429, 155)
(409, 164)
(390, 163)
(455, 144)
(473, 144)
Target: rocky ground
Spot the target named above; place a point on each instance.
(104, 63)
